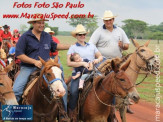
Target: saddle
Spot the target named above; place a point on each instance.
(32, 80)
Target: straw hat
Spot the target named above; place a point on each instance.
(48, 30)
(37, 17)
(0, 26)
(79, 30)
(108, 15)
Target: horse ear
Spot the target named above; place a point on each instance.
(147, 43)
(56, 59)
(125, 66)
(114, 66)
(42, 60)
(9, 67)
(135, 43)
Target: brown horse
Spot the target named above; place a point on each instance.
(45, 91)
(97, 106)
(7, 96)
(143, 59)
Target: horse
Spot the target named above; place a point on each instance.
(7, 96)
(13, 67)
(142, 59)
(98, 104)
(45, 91)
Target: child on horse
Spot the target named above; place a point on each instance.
(78, 71)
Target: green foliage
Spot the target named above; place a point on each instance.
(134, 28)
(55, 29)
(23, 28)
(89, 23)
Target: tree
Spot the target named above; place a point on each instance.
(23, 28)
(134, 28)
(89, 23)
(55, 29)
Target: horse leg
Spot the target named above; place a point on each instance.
(122, 111)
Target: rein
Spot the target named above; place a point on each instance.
(108, 92)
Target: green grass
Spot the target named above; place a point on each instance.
(146, 89)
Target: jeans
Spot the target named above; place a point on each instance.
(22, 80)
(74, 91)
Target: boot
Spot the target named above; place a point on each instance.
(81, 82)
(129, 110)
(72, 115)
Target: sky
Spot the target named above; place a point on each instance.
(149, 11)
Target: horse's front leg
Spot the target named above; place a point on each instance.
(122, 112)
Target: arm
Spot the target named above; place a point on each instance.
(124, 46)
(63, 46)
(99, 58)
(76, 64)
(29, 60)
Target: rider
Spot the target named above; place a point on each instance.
(110, 39)
(6, 35)
(85, 50)
(80, 71)
(32, 44)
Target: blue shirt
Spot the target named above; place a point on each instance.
(87, 51)
(29, 45)
(12, 50)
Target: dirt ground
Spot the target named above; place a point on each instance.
(143, 112)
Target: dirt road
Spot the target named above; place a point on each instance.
(143, 112)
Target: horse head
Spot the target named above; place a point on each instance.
(122, 84)
(7, 96)
(145, 58)
(51, 77)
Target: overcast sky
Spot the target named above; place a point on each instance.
(150, 11)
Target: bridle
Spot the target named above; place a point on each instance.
(50, 88)
(148, 67)
(110, 93)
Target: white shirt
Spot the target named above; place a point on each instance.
(107, 42)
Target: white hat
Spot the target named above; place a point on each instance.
(37, 17)
(79, 30)
(108, 15)
(48, 30)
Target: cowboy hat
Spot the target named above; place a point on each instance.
(5, 26)
(48, 30)
(108, 15)
(37, 17)
(79, 30)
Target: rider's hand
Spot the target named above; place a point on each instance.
(85, 64)
(38, 63)
(120, 44)
(96, 61)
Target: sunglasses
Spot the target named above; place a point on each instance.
(80, 34)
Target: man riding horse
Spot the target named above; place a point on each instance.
(32, 44)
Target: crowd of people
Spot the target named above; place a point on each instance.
(107, 41)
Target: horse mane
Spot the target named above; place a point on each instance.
(105, 67)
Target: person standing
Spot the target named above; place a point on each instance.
(110, 39)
